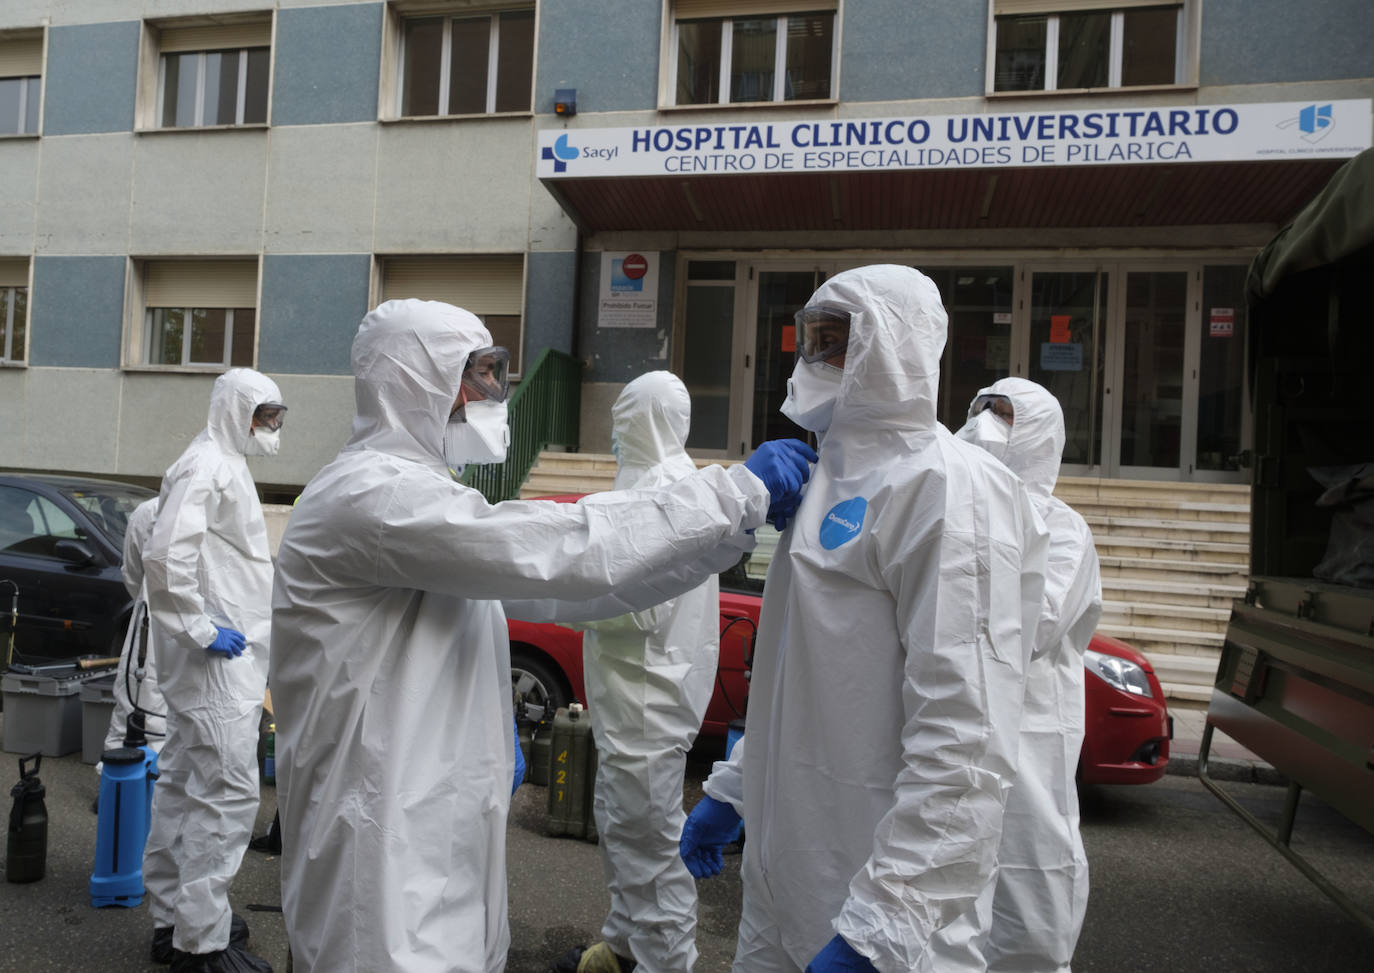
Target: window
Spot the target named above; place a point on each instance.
(212, 75)
(490, 286)
(31, 524)
(1073, 45)
(14, 309)
(466, 64)
(760, 51)
(199, 313)
(21, 82)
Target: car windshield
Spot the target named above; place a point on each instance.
(109, 506)
(747, 576)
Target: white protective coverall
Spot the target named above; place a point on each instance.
(649, 677)
(136, 533)
(888, 674)
(1042, 881)
(391, 680)
(207, 564)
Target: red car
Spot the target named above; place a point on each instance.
(1127, 725)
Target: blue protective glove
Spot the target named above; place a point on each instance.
(519, 760)
(781, 513)
(228, 643)
(783, 465)
(709, 828)
(840, 957)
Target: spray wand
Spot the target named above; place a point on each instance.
(14, 621)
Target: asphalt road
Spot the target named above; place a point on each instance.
(1179, 883)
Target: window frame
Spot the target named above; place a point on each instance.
(152, 77)
(391, 90)
(14, 44)
(671, 41)
(139, 329)
(7, 346)
(1186, 43)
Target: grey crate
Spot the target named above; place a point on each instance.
(42, 714)
(97, 705)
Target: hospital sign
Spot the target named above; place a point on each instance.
(1099, 136)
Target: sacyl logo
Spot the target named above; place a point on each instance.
(560, 153)
(1315, 122)
(843, 522)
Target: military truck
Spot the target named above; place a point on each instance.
(1295, 684)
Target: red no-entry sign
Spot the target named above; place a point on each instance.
(634, 266)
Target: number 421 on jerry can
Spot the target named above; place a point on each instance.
(572, 775)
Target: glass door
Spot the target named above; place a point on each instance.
(1067, 329)
(1149, 336)
(779, 295)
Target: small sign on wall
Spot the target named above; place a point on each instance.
(1222, 322)
(629, 290)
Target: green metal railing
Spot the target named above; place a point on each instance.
(544, 410)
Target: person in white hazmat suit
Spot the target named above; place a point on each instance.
(208, 572)
(391, 677)
(133, 687)
(1042, 879)
(896, 627)
(649, 677)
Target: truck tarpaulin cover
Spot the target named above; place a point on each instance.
(1349, 556)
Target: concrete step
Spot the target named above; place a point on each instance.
(1165, 615)
(1174, 570)
(1222, 552)
(1199, 530)
(1091, 486)
(1170, 592)
(1165, 641)
(1171, 510)
(1186, 691)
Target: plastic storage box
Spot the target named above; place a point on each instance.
(43, 711)
(97, 705)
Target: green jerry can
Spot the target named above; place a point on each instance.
(572, 775)
(538, 761)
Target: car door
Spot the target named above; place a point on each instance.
(64, 608)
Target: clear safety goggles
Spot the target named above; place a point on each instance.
(822, 332)
(999, 404)
(269, 415)
(486, 375)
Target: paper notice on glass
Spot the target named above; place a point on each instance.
(1061, 358)
(1059, 328)
(997, 354)
(1222, 322)
(629, 291)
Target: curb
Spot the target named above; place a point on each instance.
(1228, 769)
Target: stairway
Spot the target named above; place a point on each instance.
(1173, 557)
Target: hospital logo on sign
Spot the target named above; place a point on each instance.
(1314, 122)
(561, 153)
(843, 522)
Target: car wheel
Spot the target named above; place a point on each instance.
(540, 689)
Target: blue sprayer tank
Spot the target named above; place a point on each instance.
(126, 801)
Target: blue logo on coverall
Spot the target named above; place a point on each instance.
(843, 522)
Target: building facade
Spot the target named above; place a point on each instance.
(187, 185)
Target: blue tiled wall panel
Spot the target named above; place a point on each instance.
(326, 64)
(620, 354)
(900, 49)
(1259, 41)
(607, 51)
(549, 302)
(76, 318)
(92, 79)
(311, 306)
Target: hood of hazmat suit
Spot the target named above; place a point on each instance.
(1042, 882)
(132, 686)
(391, 683)
(207, 566)
(888, 675)
(649, 677)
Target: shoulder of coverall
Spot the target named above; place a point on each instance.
(650, 419)
(896, 339)
(235, 395)
(1035, 446)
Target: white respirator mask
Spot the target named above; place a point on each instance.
(478, 433)
(811, 394)
(988, 431)
(264, 442)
